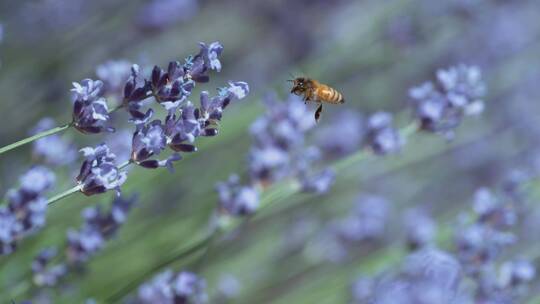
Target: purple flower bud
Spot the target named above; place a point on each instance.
(237, 199)
(382, 137)
(10, 228)
(516, 273)
(318, 183)
(45, 274)
(420, 229)
(166, 287)
(90, 111)
(98, 172)
(458, 92)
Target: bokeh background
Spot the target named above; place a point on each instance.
(373, 51)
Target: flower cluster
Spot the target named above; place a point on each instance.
(279, 150)
(99, 173)
(481, 242)
(169, 288)
(90, 110)
(473, 274)
(53, 149)
(81, 244)
(426, 276)
(457, 92)
(97, 228)
(26, 208)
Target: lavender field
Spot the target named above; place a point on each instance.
(151, 151)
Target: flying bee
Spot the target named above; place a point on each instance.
(312, 90)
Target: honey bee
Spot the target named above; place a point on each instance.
(312, 90)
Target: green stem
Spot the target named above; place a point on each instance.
(34, 138)
(63, 194)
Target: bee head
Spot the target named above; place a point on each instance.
(299, 85)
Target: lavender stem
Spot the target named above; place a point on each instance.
(34, 138)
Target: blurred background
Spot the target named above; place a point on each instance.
(372, 51)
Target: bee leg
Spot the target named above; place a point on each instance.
(318, 113)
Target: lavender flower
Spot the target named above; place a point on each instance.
(381, 137)
(210, 53)
(10, 228)
(516, 273)
(166, 287)
(491, 210)
(427, 276)
(26, 208)
(98, 172)
(278, 140)
(114, 74)
(237, 199)
(52, 149)
(362, 290)
(458, 92)
(229, 287)
(45, 274)
(159, 14)
(420, 229)
(90, 111)
(97, 228)
(148, 141)
(318, 183)
(342, 136)
(367, 222)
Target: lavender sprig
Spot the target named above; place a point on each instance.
(25, 211)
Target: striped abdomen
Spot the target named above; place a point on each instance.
(325, 93)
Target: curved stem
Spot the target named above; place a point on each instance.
(34, 138)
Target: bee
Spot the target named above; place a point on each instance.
(312, 90)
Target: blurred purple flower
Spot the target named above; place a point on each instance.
(26, 207)
(318, 183)
(98, 227)
(458, 92)
(278, 138)
(237, 199)
(45, 274)
(381, 136)
(229, 287)
(368, 220)
(159, 14)
(52, 149)
(90, 111)
(114, 74)
(420, 229)
(427, 276)
(10, 228)
(168, 288)
(99, 172)
(342, 135)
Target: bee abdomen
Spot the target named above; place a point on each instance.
(331, 95)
